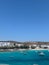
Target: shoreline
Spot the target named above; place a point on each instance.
(33, 49)
(21, 50)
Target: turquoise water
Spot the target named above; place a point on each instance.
(28, 57)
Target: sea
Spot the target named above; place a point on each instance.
(26, 57)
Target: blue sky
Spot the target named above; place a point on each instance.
(24, 20)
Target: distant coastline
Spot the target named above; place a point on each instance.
(14, 45)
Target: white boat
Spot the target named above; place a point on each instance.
(41, 53)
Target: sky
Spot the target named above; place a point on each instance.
(24, 20)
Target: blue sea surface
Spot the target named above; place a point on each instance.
(28, 57)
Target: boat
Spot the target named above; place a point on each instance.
(41, 54)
